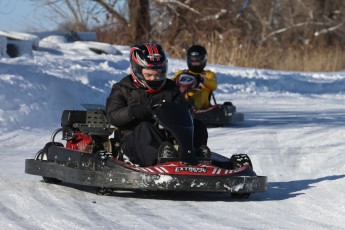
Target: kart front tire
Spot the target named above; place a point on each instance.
(51, 180)
(240, 195)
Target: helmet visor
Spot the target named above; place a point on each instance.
(197, 61)
(155, 85)
(154, 74)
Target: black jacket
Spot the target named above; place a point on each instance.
(126, 94)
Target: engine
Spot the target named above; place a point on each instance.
(81, 142)
(86, 131)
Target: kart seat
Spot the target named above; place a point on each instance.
(92, 121)
(70, 117)
(96, 123)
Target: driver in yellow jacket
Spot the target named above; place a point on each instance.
(196, 83)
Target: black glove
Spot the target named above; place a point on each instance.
(199, 78)
(142, 112)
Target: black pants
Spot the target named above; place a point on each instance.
(141, 145)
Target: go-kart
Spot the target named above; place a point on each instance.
(218, 115)
(89, 157)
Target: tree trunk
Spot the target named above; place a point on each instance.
(139, 20)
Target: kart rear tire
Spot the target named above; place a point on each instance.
(228, 103)
(51, 180)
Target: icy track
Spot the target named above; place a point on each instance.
(294, 132)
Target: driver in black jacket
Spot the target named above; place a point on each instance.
(129, 106)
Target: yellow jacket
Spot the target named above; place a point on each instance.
(200, 94)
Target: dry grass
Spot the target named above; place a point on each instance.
(312, 58)
(277, 35)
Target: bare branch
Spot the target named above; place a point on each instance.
(113, 12)
(285, 29)
(180, 4)
(74, 13)
(326, 30)
(214, 16)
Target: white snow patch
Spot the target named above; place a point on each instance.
(163, 179)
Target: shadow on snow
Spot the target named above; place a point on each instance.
(283, 82)
(275, 191)
(277, 118)
(292, 189)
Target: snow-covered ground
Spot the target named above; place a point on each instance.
(294, 132)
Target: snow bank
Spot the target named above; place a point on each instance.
(79, 36)
(97, 47)
(3, 45)
(16, 48)
(62, 42)
(19, 44)
(33, 39)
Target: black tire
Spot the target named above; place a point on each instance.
(240, 195)
(230, 108)
(228, 103)
(104, 191)
(51, 180)
(239, 160)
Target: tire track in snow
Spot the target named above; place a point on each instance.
(15, 199)
(94, 207)
(13, 219)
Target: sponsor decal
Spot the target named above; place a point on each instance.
(191, 169)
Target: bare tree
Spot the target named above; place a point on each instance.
(137, 26)
(229, 29)
(70, 14)
(134, 22)
(139, 20)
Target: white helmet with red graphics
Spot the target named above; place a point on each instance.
(186, 81)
